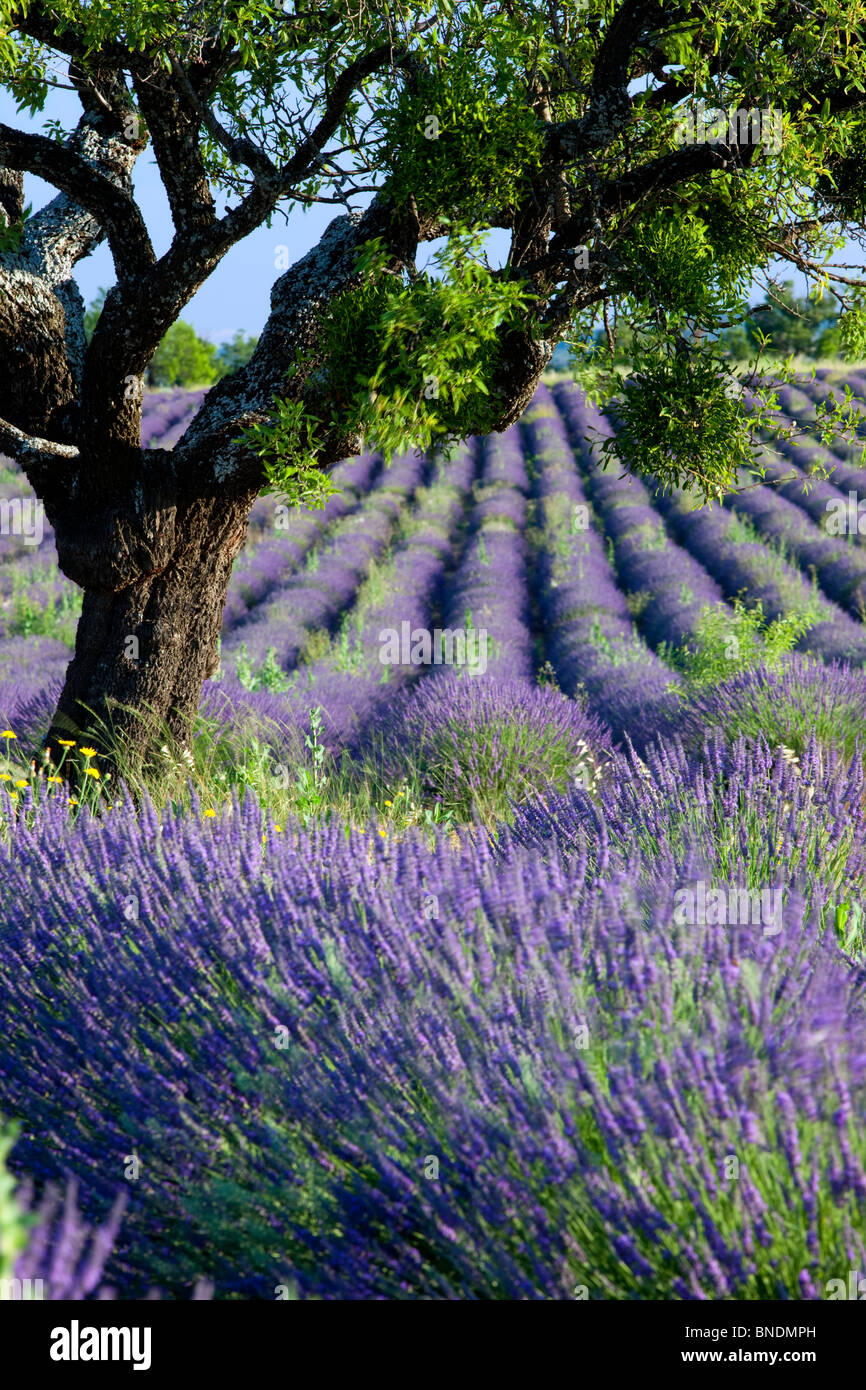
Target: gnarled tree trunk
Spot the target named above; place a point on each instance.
(154, 592)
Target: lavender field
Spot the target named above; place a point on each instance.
(535, 974)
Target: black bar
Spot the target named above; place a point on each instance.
(227, 1337)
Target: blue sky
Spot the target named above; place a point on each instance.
(237, 295)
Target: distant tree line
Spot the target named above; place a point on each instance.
(792, 324)
(183, 358)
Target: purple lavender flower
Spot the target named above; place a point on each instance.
(64, 1254)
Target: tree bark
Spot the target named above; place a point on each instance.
(144, 647)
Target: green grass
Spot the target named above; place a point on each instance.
(305, 781)
(58, 620)
(35, 614)
(728, 639)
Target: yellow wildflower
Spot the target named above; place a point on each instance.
(22, 782)
(88, 752)
(54, 779)
(7, 733)
(66, 742)
(92, 772)
(209, 812)
(5, 776)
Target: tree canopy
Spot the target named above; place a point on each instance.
(784, 323)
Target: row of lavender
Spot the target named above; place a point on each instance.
(669, 590)
(302, 599)
(494, 589)
(536, 604)
(369, 661)
(556, 596)
(817, 521)
(589, 635)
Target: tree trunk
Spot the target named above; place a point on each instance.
(144, 647)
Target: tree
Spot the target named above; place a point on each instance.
(578, 127)
(793, 324)
(182, 359)
(829, 342)
(736, 343)
(236, 353)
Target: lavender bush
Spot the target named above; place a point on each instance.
(589, 636)
(803, 699)
(47, 1251)
(474, 745)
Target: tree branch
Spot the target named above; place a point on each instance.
(238, 149)
(351, 77)
(609, 102)
(174, 136)
(74, 175)
(61, 233)
(135, 318)
(248, 395)
(29, 450)
(658, 175)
